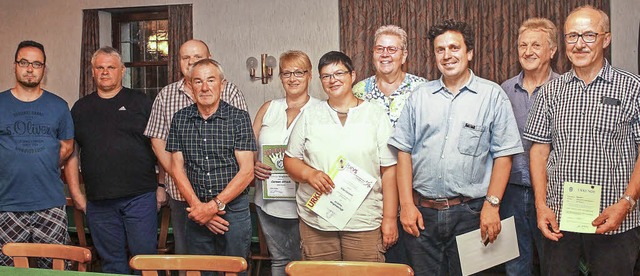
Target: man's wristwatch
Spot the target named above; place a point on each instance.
(631, 201)
(221, 204)
(494, 200)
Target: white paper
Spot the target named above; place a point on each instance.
(279, 186)
(352, 185)
(476, 257)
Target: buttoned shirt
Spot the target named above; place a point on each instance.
(172, 98)
(453, 139)
(208, 146)
(594, 134)
(368, 90)
(521, 103)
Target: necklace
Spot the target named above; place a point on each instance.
(342, 113)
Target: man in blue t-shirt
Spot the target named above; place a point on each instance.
(36, 136)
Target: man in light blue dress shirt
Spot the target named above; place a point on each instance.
(455, 137)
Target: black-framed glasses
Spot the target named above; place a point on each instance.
(297, 74)
(338, 75)
(379, 49)
(25, 63)
(588, 37)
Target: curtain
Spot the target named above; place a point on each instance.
(180, 30)
(90, 43)
(495, 23)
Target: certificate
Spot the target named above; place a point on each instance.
(476, 257)
(352, 185)
(279, 186)
(580, 206)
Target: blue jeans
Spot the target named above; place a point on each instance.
(397, 253)
(235, 242)
(518, 202)
(118, 224)
(178, 223)
(283, 240)
(435, 251)
(605, 254)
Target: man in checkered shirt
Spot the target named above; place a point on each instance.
(212, 145)
(172, 98)
(584, 128)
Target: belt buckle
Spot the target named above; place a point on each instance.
(444, 201)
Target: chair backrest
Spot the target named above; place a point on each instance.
(21, 252)
(317, 268)
(193, 264)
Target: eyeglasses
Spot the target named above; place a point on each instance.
(297, 74)
(338, 75)
(390, 49)
(25, 63)
(588, 37)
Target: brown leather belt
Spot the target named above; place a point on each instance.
(438, 203)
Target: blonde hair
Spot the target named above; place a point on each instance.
(543, 25)
(392, 30)
(295, 58)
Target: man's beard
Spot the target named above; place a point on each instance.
(29, 84)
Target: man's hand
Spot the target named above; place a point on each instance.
(389, 231)
(202, 213)
(80, 203)
(490, 225)
(218, 225)
(411, 219)
(321, 182)
(161, 197)
(611, 218)
(547, 223)
(261, 170)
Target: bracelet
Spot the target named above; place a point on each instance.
(630, 200)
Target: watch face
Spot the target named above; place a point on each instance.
(493, 200)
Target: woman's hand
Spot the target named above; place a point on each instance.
(261, 170)
(320, 181)
(389, 232)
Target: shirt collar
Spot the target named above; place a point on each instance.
(519, 83)
(471, 85)
(604, 73)
(222, 112)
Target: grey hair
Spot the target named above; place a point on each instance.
(106, 50)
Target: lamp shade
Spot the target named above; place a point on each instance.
(252, 63)
(271, 61)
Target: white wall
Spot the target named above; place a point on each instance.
(233, 29)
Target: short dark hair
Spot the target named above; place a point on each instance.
(456, 26)
(30, 43)
(335, 57)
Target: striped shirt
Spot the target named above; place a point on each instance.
(209, 146)
(594, 134)
(172, 98)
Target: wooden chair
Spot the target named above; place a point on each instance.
(263, 254)
(165, 218)
(192, 264)
(317, 268)
(78, 222)
(21, 252)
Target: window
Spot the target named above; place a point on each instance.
(142, 37)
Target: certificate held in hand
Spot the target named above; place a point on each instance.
(580, 206)
(352, 185)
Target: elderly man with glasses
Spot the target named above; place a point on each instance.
(585, 130)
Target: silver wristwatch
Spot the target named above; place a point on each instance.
(221, 204)
(631, 201)
(494, 200)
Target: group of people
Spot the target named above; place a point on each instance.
(446, 156)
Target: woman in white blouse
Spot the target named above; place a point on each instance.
(272, 126)
(356, 131)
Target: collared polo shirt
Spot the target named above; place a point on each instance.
(453, 140)
(594, 134)
(209, 146)
(521, 103)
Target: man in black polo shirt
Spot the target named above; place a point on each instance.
(214, 142)
(118, 166)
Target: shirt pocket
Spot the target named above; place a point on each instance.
(471, 142)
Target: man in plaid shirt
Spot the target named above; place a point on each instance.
(172, 98)
(212, 145)
(585, 129)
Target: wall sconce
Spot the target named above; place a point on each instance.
(267, 62)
